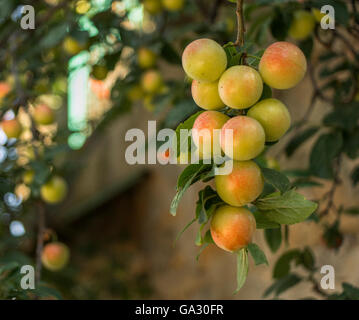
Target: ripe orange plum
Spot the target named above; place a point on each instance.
(43, 114)
(242, 186)
(232, 228)
(55, 256)
(248, 138)
(12, 128)
(274, 117)
(283, 65)
(205, 138)
(206, 96)
(240, 87)
(204, 60)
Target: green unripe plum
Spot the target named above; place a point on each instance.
(152, 6)
(240, 87)
(274, 117)
(232, 228)
(242, 186)
(12, 128)
(207, 122)
(318, 16)
(54, 191)
(135, 93)
(283, 65)
(28, 176)
(55, 256)
(206, 96)
(173, 5)
(146, 58)
(43, 114)
(302, 25)
(204, 60)
(248, 138)
(151, 81)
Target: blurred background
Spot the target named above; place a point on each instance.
(88, 62)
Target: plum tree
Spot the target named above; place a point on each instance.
(54, 190)
(146, 58)
(283, 65)
(12, 128)
(240, 87)
(43, 114)
(152, 6)
(55, 256)
(173, 5)
(151, 81)
(302, 25)
(274, 117)
(248, 138)
(242, 186)
(135, 93)
(232, 228)
(205, 138)
(205, 95)
(204, 60)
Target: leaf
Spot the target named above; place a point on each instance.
(242, 268)
(283, 284)
(273, 238)
(257, 254)
(344, 116)
(207, 202)
(188, 176)
(233, 56)
(280, 24)
(352, 211)
(169, 53)
(276, 179)
(186, 125)
(263, 222)
(299, 139)
(288, 208)
(307, 47)
(350, 291)
(267, 92)
(307, 259)
(183, 230)
(326, 148)
(282, 266)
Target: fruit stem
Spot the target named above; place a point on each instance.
(240, 24)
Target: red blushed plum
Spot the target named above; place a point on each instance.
(242, 186)
(274, 117)
(204, 60)
(205, 138)
(12, 128)
(232, 228)
(55, 256)
(43, 114)
(248, 138)
(283, 65)
(240, 87)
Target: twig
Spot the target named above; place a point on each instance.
(240, 24)
(40, 240)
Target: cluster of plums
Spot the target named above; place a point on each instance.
(282, 66)
(55, 189)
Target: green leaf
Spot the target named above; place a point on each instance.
(169, 53)
(207, 202)
(263, 222)
(288, 208)
(242, 268)
(299, 139)
(307, 259)
(257, 254)
(352, 211)
(188, 176)
(186, 125)
(283, 284)
(350, 291)
(326, 148)
(273, 238)
(276, 179)
(183, 230)
(282, 266)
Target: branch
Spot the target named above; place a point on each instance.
(240, 24)
(40, 240)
